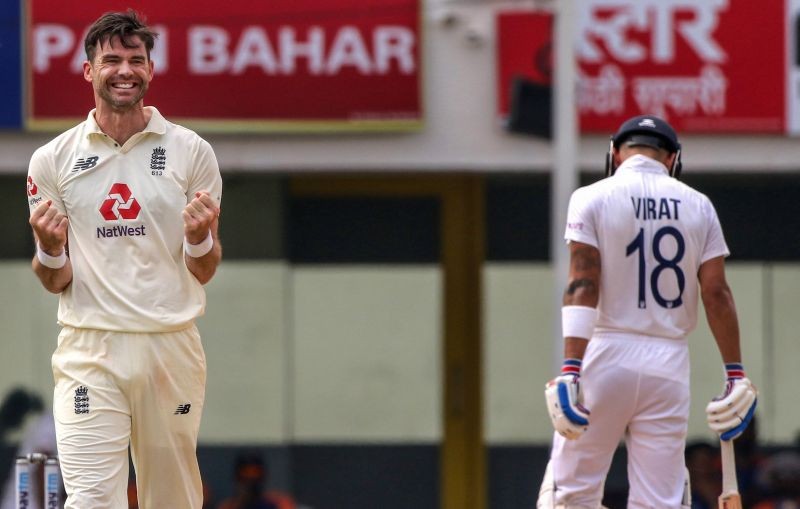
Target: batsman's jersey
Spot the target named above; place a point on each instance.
(124, 205)
(653, 233)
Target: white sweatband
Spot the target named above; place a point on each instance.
(52, 262)
(198, 250)
(578, 321)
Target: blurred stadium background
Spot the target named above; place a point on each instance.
(382, 324)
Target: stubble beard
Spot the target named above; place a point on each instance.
(122, 105)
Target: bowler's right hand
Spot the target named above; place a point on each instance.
(50, 227)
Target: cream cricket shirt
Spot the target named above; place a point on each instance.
(124, 205)
(653, 233)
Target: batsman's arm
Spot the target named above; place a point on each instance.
(720, 309)
(578, 316)
(730, 413)
(583, 289)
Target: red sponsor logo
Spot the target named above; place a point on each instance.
(364, 54)
(32, 189)
(688, 61)
(120, 204)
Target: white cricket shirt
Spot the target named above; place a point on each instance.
(653, 233)
(124, 205)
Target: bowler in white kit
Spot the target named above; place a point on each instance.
(125, 212)
(645, 249)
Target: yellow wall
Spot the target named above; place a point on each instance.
(353, 354)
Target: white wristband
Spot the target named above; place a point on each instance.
(578, 321)
(198, 250)
(52, 262)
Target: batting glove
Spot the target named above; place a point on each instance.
(563, 396)
(730, 413)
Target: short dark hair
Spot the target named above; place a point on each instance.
(123, 25)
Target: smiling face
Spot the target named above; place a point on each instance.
(120, 74)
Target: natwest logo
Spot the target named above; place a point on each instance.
(120, 204)
(32, 189)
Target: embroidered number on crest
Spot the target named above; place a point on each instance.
(158, 161)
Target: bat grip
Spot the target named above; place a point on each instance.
(729, 483)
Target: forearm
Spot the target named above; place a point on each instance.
(575, 348)
(204, 267)
(724, 323)
(583, 280)
(581, 297)
(53, 280)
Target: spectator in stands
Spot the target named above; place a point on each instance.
(252, 481)
(702, 460)
(749, 461)
(780, 477)
(39, 435)
(133, 495)
(16, 406)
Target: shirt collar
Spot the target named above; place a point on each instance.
(639, 163)
(156, 125)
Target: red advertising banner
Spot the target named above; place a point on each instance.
(281, 65)
(704, 65)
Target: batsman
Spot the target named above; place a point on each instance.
(645, 249)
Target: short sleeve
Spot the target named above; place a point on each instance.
(715, 240)
(205, 174)
(43, 182)
(580, 218)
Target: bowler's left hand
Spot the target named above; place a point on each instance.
(199, 216)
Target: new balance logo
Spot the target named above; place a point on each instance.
(85, 164)
(158, 161)
(82, 400)
(183, 409)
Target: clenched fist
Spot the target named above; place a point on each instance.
(199, 216)
(50, 227)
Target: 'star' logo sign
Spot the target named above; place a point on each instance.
(32, 189)
(120, 204)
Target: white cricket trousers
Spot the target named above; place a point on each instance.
(115, 389)
(636, 388)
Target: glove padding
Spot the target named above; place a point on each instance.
(562, 394)
(729, 413)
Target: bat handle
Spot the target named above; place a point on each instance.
(729, 483)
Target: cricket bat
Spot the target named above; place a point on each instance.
(730, 498)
